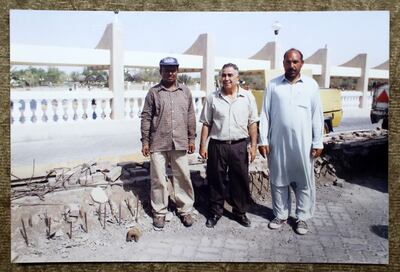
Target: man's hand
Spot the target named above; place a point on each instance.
(146, 150)
(264, 150)
(191, 148)
(316, 152)
(253, 152)
(203, 151)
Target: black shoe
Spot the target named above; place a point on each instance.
(212, 221)
(243, 220)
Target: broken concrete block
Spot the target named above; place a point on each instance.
(74, 210)
(98, 195)
(85, 178)
(104, 166)
(146, 165)
(338, 182)
(52, 182)
(125, 174)
(127, 165)
(133, 234)
(114, 173)
(138, 172)
(98, 177)
(137, 179)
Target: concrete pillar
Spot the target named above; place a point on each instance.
(325, 80)
(204, 46)
(112, 39)
(117, 72)
(362, 83)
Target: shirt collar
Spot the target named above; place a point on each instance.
(240, 92)
(284, 79)
(160, 87)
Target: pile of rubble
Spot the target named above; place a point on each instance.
(354, 151)
(70, 202)
(84, 175)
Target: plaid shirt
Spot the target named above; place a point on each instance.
(168, 119)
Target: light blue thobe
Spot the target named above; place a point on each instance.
(291, 123)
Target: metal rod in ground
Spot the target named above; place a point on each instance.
(70, 230)
(24, 234)
(137, 209)
(99, 213)
(105, 210)
(86, 227)
(129, 206)
(119, 213)
(49, 226)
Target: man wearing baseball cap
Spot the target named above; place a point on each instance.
(168, 128)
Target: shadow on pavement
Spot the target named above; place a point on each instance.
(376, 180)
(141, 191)
(380, 230)
(262, 211)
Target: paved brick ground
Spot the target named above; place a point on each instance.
(349, 226)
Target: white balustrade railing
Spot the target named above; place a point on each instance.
(29, 107)
(352, 99)
(134, 101)
(45, 107)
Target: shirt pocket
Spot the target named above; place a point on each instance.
(219, 112)
(241, 117)
(303, 104)
(156, 117)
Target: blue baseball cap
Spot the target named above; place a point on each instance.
(169, 61)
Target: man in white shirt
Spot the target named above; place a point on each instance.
(291, 133)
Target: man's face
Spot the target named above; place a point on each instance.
(229, 78)
(169, 73)
(292, 64)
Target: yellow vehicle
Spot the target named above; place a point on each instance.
(332, 106)
(330, 98)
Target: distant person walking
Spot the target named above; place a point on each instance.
(168, 130)
(291, 132)
(229, 118)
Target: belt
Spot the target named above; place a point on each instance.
(230, 142)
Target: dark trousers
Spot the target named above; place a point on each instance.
(228, 176)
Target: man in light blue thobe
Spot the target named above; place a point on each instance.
(291, 133)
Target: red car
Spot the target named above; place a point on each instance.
(380, 105)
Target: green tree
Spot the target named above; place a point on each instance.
(55, 76)
(186, 79)
(75, 76)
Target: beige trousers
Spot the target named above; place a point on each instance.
(181, 182)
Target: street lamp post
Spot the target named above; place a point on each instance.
(276, 26)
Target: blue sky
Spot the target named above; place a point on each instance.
(236, 34)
